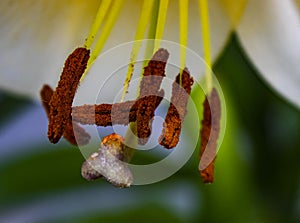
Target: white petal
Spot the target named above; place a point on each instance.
(37, 36)
(270, 35)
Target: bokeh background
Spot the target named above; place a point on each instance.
(257, 168)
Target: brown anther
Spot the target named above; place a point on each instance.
(177, 110)
(71, 128)
(62, 98)
(110, 114)
(150, 85)
(209, 135)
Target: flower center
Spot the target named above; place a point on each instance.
(141, 111)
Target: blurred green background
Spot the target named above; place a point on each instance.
(257, 168)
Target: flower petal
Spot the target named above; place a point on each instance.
(37, 36)
(270, 35)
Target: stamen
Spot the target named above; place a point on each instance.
(132, 129)
(102, 11)
(110, 114)
(209, 135)
(183, 34)
(161, 20)
(151, 33)
(144, 20)
(71, 128)
(177, 110)
(76, 135)
(141, 111)
(111, 19)
(203, 8)
(150, 84)
(46, 94)
(62, 98)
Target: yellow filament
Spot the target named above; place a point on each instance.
(111, 19)
(162, 14)
(144, 20)
(203, 8)
(102, 11)
(132, 131)
(183, 34)
(151, 34)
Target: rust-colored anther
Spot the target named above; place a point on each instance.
(62, 98)
(177, 110)
(150, 85)
(109, 114)
(209, 135)
(71, 128)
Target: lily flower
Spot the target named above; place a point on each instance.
(37, 36)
